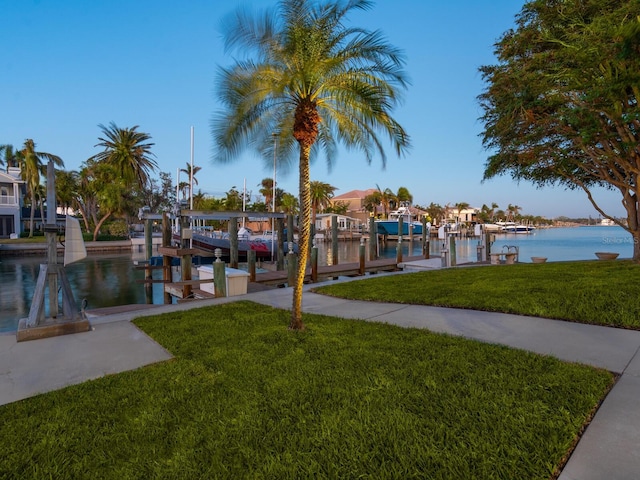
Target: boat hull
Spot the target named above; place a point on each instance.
(390, 227)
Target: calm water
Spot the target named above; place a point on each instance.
(109, 280)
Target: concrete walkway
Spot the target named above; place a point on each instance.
(608, 449)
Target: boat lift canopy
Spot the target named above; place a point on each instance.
(213, 215)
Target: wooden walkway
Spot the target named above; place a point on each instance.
(280, 277)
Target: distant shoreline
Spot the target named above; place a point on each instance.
(33, 249)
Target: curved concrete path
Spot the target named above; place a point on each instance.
(610, 447)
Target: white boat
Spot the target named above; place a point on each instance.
(513, 227)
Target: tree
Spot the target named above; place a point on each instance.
(321, 195)
(266, 190)
(513, 211)
(9, 156)
(290, 204)
(436, 212)
(184, 185)
(372, 201)
(460, 206)
(66, 189)
(233, 200)
(32, 167)
(387, 197)
(121, 170)
(128, 152)
(561, 106)
(404, 196)
(313, 82)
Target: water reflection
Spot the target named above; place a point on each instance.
(100, 281)
(109, 280)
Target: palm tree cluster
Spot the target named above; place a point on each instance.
(33, 169)
(387, 200)
(110, 183)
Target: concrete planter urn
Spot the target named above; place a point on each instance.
(538, 259)
(607, 255)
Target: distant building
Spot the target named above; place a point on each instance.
(11, 191)
(354, 201)
(344, 222)
(466, 215)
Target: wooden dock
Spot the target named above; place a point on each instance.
(326, 272)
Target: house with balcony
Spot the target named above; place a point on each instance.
(11, 192)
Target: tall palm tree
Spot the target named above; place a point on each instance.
(313, 82)
(321, 194)
(188, 184)
(32, 167)
(128, 152)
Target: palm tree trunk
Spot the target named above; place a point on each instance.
(304, 235)
(33, 214)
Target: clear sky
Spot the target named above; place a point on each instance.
(67, 66)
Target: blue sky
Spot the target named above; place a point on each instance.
(67, 66)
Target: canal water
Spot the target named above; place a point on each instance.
(110, 280)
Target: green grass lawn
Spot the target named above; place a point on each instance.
(246, 398)
(597, 292)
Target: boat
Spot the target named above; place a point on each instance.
(512, 227)
(209, 240)
(390, 225)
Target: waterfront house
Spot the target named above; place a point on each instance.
(11, 193)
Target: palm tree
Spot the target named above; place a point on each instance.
(66, 189)
(266, 190)
(126, 150)
(313, 82)
(372, 201)
(321, 195)
(387, 197)
(32, 167)
(512, 211)
(190, 176)
(9, 156)
(403, 195)
(290, 204)
(460, 206)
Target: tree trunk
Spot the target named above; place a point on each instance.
(636, 245)
(98, 225)
(33, 214)
(304, 234)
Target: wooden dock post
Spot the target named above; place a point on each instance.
(361, 254)
(372, 238)
(452, 250)
(185, 260)
(233, 242)
(148, 253)
(314, 263)
(425, 238)
(334, 240)
(219, 276)
(166, 259)
(280, 242)
(251, 265)
(292, 266)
